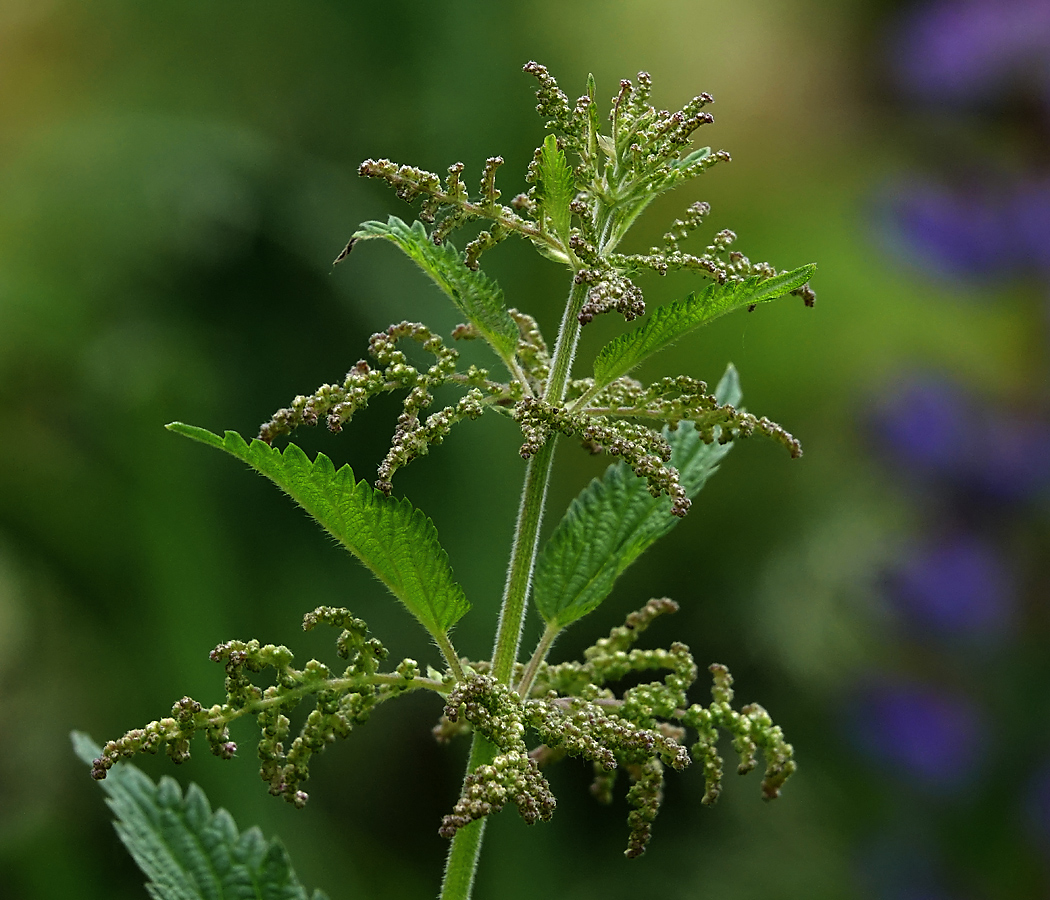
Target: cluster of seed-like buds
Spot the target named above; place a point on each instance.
(450, 206)
(570, 122)
(532, 352)
(683, 227)
(645, 796)
(410, 182)
(574, 726)
(646, 153)
(584, 728)
(611, 740)
(341, 702)
(646, 451)
(172, 734)
(717, 261)
(495, 711)
(751, 728)
(681, 398)
(393, 371)
(641, 720)
(611, 291)
(654, 138)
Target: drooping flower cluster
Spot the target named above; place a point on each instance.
(574, 713)
(341, 703)
(536, 713)
(577, 215)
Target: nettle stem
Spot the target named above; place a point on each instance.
(538, 656)
(533, 497)
(463, 855)
(466, 845)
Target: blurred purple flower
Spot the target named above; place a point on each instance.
(938, 432)
(1015, 458)
(973, 231)
(958, 586)
(927, 734)
(967, 50)
(1029, 221)
(927, 424)
(958, 233)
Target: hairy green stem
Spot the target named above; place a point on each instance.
(466, 845)
(463, 855)
(533, 497)
(565, 348)
(538, 656)
(449, 652)
(522, 560)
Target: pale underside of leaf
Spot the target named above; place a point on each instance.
(394, 540)
(669, 323)
(187, 851)
(472, 292)
(614, 520)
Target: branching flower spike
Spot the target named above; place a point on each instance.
(589, 180)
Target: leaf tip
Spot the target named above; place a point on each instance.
(85, 748)
(729, 390)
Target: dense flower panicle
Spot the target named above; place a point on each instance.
(577, 209)
(574, 714)
(341, 703)
(617, 176)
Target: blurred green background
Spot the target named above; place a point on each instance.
(175, 180)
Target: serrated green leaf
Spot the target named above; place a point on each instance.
(474, 294)
(558, 184)
(396, 541)
(187, 851)
(668, 323)
(615, 519)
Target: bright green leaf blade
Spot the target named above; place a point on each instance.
(668, 323)
(558, 184)
(187, 851)
(614, 520)
(474, 294)
(396, 541)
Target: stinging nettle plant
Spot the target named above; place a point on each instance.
(586, 188)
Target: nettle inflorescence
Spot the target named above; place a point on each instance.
(574, 713)
(577, 216)
(585, 188)
(342, 701)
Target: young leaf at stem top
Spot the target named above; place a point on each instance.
(394, 540)
(187, 851)
(668, 323)
(474, 294)
(559, 187)
(614, 520)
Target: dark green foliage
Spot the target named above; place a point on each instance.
(614, 520)
(396, 541)
(669, 437)
(474, 294)
(669, 323)
(558, 187)
(187, 851)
